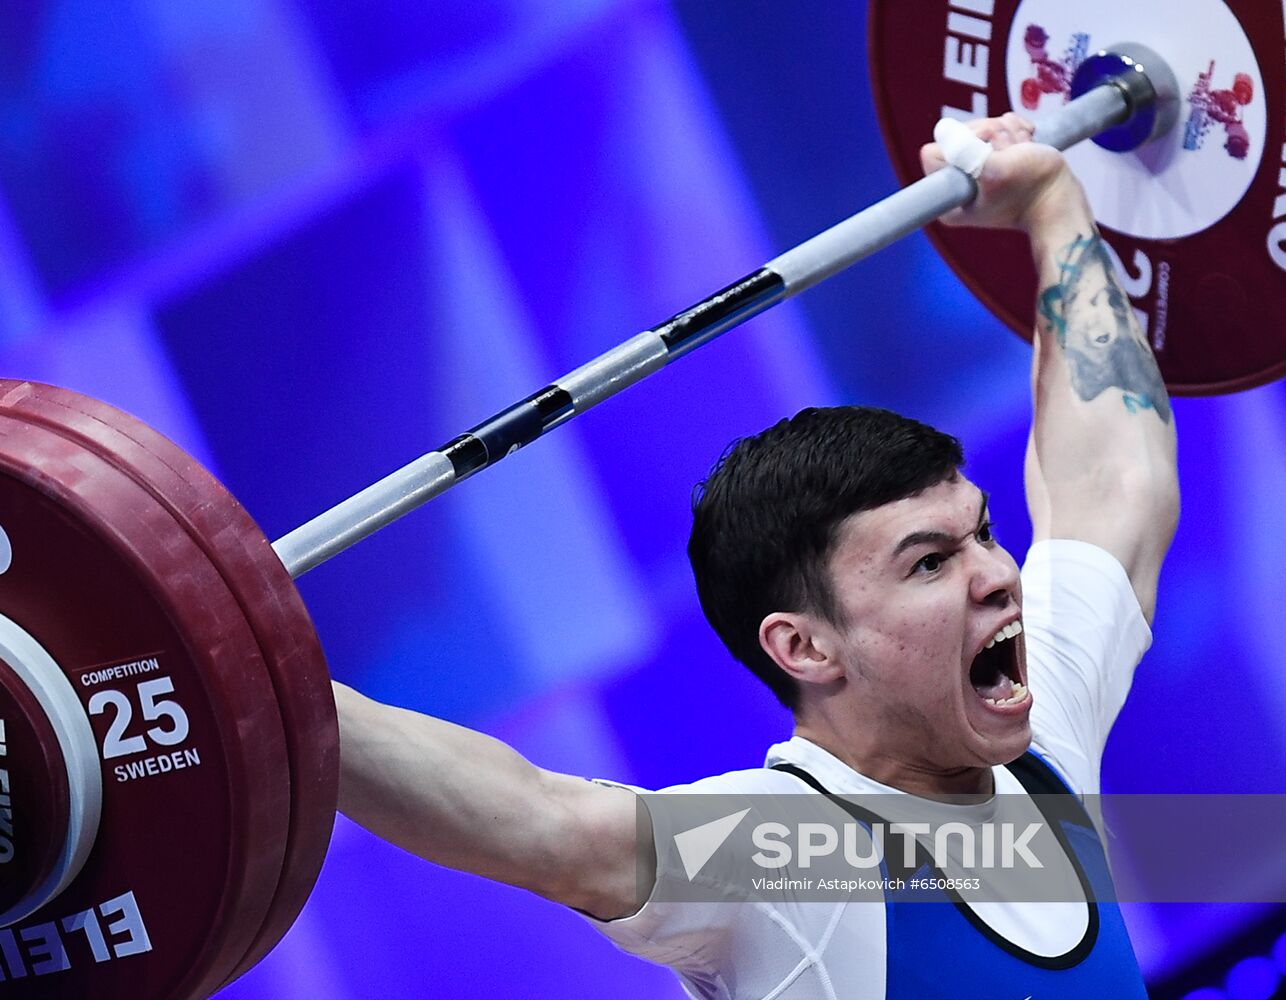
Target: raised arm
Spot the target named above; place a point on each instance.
(1101, 456)
(467, 801)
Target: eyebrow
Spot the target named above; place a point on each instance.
(941, 537)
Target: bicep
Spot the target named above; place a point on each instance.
(599, 855)
(468, 801)
(1131, 515)
(1120, 517)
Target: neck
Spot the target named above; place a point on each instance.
(907, 775)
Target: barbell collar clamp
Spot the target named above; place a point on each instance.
(1148, 85)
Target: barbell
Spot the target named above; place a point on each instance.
(1196, 219)
(168, 742)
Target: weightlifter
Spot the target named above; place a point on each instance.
(844, 557)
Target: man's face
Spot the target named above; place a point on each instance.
(922, 587)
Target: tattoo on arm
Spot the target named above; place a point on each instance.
(1089, 315)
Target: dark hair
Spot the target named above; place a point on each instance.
(765, 518)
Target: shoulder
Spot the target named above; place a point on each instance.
(752, 781)
(704, 915)
(1073, 589)
(1052, 557)
(1084, 633)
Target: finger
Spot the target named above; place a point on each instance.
(1019, 128)
(984, 128)
(931, 158)
(993, 130)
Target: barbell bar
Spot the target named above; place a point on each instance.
(1135, 90)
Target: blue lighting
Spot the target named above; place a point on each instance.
(1252, 979)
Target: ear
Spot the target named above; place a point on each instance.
(803, 645)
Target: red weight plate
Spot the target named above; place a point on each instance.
(1198, 218)
(268, 598)
(195, 774)
(35, 808)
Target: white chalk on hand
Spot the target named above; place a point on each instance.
(960, 147)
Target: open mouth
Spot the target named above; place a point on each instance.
(994, 672)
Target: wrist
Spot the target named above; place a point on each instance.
(1061, 208)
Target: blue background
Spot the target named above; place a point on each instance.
(311, 240)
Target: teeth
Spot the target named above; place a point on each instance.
(1019, 695)
(1008, 632)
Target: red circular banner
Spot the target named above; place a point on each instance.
(195, 775)
(271, 606)
(1198, 220)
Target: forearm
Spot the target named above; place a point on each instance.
(1101, 457)
(1102, 461)
(467, 801)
